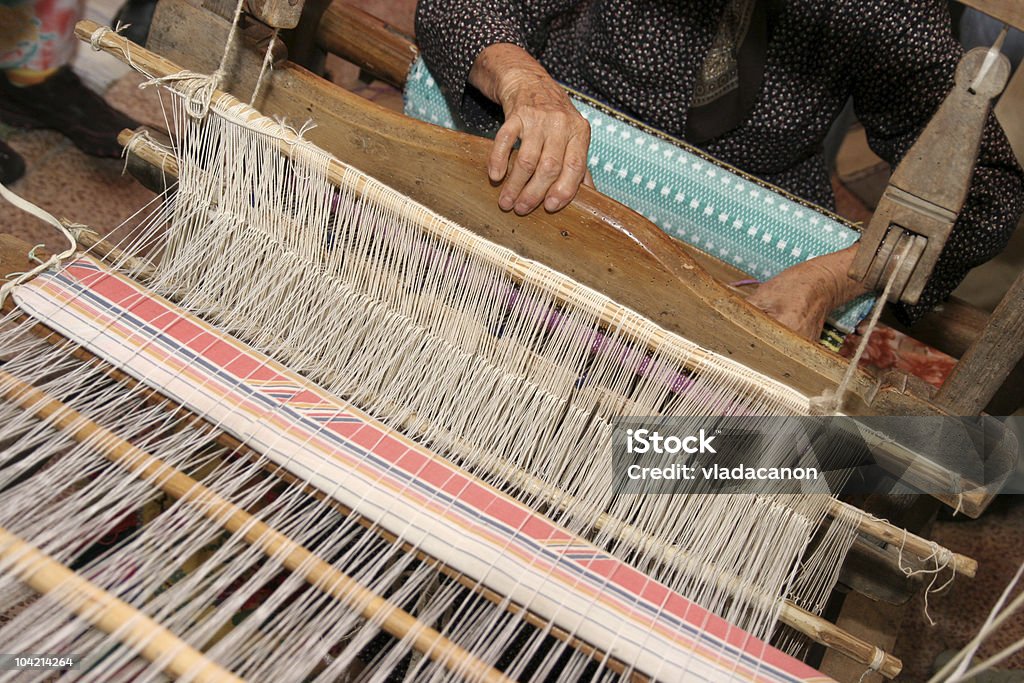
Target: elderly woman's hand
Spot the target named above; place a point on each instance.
(552, 159)
(801, 297)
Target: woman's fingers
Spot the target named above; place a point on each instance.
(527, 161)
(573, 172)
(547, 170)
(551, 162)
(504, 142)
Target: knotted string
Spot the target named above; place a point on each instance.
(30, 208)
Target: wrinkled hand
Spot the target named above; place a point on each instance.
(801, 297)
(551, 163)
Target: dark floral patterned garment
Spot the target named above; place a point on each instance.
(895, 58)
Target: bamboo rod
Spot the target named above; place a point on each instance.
(271, 542)
(867, 525)
(108, 613)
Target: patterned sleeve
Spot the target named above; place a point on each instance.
(451, 33)
(904, 69)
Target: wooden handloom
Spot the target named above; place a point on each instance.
(595, 240)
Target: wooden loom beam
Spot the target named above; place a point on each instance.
(813, 626)
(296, 558)
(993, 355)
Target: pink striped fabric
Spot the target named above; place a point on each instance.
(413, 493)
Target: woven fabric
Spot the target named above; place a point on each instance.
(410, 492)
(687, 194)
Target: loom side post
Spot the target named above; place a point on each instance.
(991, 357)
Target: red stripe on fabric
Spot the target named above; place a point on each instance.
(244, 365)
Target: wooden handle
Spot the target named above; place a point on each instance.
(234, 519)
(370, 43)
(107, 612)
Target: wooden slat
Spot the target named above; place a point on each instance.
(989, 360)
(1007, 11)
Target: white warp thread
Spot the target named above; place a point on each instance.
(831, 402)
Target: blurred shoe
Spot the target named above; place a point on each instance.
(63, 103)
(12, 166)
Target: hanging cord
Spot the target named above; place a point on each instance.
(197, 88)
(943, 558)
(56, 259)
(230, 48)
(267, 66)
(831, 402)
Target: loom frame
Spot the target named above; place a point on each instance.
(595, 240)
